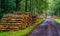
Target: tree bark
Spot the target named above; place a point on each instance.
(30, 5)
(17, 4)
(26, 5)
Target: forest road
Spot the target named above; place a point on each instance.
(46, 28)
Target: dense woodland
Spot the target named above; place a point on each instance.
(33, 6)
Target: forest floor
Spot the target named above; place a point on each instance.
(46, 28)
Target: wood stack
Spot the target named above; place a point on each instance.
(34, 18)
(26, 18)
(11, 21)
(54, 16)
(16, 21)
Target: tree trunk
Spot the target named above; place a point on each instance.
(26, 5)
(30, 5)
(17, 4)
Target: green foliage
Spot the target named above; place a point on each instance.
(1, 15)
(8, 5)
(34, 6)
(22, 5)
(56, 7)
(39, 5)
(57, 20)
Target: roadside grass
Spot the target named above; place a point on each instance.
(21, 32)
(57, 20)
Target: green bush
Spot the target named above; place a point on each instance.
(1, 15)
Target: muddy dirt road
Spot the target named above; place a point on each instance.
(46, 28)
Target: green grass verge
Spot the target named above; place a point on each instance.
(57, 20)
(20, 32)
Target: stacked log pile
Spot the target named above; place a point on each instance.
(54, 16)
(16, 21)
(34, 18)
(11, 21)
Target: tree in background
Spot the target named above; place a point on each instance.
(38, 6)
(56, 7)
(18, 5)
(26, 5)
(33, 6)
(8, 6)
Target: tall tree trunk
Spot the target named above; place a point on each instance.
(26, 5)
(30, 5)
(17, 4)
